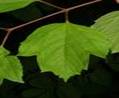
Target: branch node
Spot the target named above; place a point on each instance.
(66, 16)
(62, 10)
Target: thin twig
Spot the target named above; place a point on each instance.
(2, 28)
(6, 37)
(52, 5)
(56, 13)
(81, 5)
(9, 30)
(66, 16)
(42, 18)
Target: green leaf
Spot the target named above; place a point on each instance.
(109, 24)
(10, 67)
(9, 5)
(64, 48)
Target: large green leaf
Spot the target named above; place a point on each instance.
(64, 48)
(109, 24)
(10, 67)
(9, 5)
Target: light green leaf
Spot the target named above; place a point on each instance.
(9, 5)
(109, 24)
(64, 48)
(10, 67)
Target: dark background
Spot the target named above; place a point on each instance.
(101, 80)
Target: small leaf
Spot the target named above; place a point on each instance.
(109, 24)
(9, 5)
(10, 67)
(64, 48)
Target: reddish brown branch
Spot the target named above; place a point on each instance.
(9, 30)
(52, 5)
(82, 5)
(6, 37)
(66, 16)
